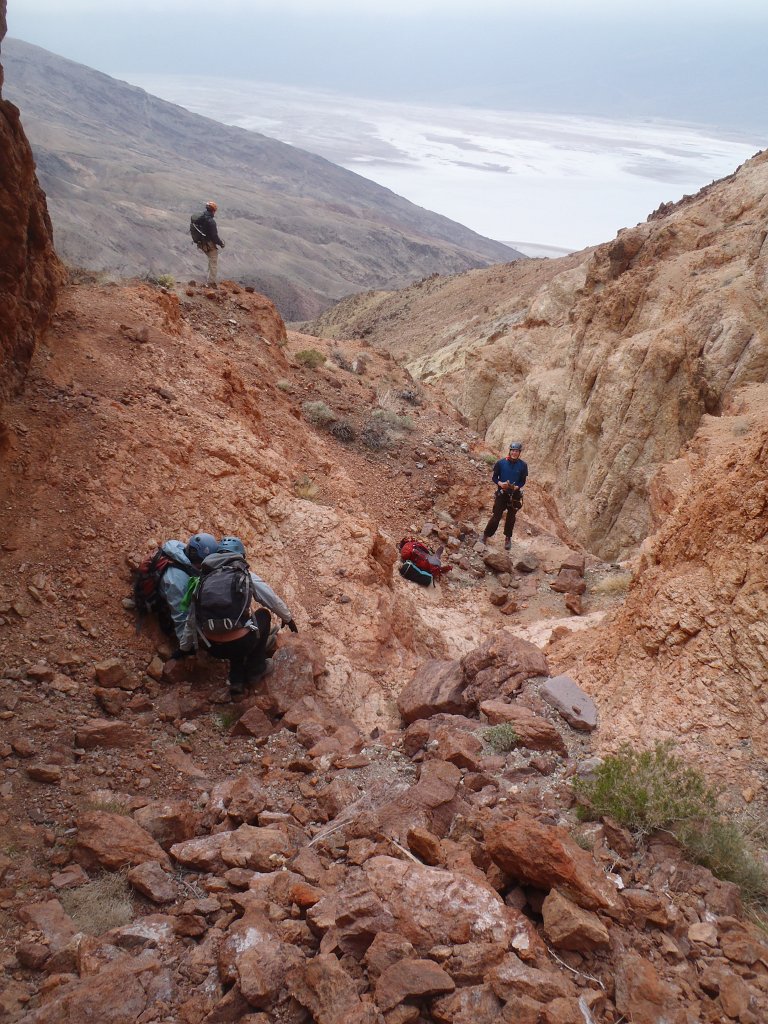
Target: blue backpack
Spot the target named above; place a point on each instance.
(410, 571)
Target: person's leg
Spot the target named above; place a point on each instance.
(509, 522)
(236, 653)
(499, 504)
(257, 658)
(213, 263)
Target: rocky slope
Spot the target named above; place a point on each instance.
(605, 362)
(345, 844)
(124, 171)
(28, 266)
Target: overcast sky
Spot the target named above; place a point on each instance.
(694, 60)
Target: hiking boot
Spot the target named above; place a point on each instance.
(485, 540)
(507, 543)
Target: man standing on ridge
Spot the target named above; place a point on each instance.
(509, 475)
(208, 240)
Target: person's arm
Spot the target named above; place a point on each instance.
(495, 476)
(174, 587)
(521, 485)
(213, 233)
(188, 638)
(265, 595)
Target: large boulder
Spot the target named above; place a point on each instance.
(295, 669)
(437, 686)
(546, 857)
(114, 841)
(533, 731)
(500, 666)
(568, 698)
(329, 993)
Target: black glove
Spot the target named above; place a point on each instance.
(178, 654)
(292, 626)
(221, 244)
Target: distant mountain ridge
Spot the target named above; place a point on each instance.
(124, 170)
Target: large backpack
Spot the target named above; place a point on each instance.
(224, 593)
(419, 555)
(146, 588)
(197, 233)
(410, 571)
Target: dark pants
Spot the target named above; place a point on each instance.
(246, 655)
(505, 501)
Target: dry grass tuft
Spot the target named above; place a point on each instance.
(100, 905)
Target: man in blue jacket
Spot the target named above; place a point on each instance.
(187, 559)
(509, 475)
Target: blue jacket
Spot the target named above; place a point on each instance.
(173, 585)
(510, 472)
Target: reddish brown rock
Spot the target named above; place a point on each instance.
(253, 723)
(476, 1005)
(434, 907)
(253, 955)
(513, 978)
(50, 773)
(573, 604)
(534, 732)
(203, 853)
(242, 798)
(386, 949)
(30, 273)
(568, 926)
(568, 581)
(500, 667)
(168, 821)
(458, 746)
(112, 674)
(101, 732)
(151, 881)
(328, 992)
(260, 849)
(576, 562)
(437, 686)
(120, 993)
(411, 979)
(546, 857)
(641, 995)
(49, 918)
(295, 667)
(425, 845)
(113, 841)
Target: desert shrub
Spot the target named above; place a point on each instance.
(501, 738)
(656, 789)
(343, 430)
(283, 384)
(340, 359)
(161, 280)
(225, 719)
(374, 435)
(617, 583)
(310, 358)
(306, 488)
(411, 395)
(360, 364)
(317, 413)
(393, 419)
(101, 904)
(489, 460)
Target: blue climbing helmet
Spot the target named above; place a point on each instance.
(200, 546)
(232, 546)
(516, 446)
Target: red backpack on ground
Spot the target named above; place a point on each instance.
(415, 551)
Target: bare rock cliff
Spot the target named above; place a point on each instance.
(29, 270)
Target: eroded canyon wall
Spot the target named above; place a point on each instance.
(29, 270)
(687, 656)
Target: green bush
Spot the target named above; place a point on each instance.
(501, 738)
(655, 789)
(340, 359)
(317, 413)
(310, 358)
